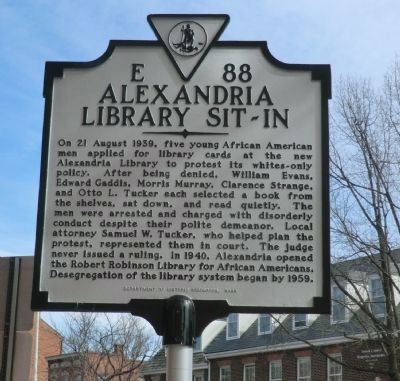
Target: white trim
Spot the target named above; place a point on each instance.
(328, 364)
(200, 366)
(198, 346)
(372, 278)
(303, 326)
(236, 352)
(250, 364)
(224, 367)
(299, 359)
(262, 349)
(346, 311)
(280, 347)
(269, 368)
(228, 337)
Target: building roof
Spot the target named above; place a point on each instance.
(320, 331)
(284, 335)
(158, 363)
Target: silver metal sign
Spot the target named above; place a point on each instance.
(184, 166)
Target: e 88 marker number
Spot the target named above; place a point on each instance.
(233, 73)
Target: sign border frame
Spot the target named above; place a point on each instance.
(206, 310)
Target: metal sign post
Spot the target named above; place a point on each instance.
(179, 337)
(184, 166)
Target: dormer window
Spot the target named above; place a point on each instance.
(377, 297)
(338, 305)
(232, 327)
(197, 344)
(300, 321)
(264, 324)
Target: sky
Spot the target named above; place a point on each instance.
(356, 37)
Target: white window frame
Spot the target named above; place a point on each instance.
(232, 319)
(246, 366)
(341, 303)
(302, 326)
(261, 316)
(306, 359)
(225, 377)
(275, 362)
(373, 297)
(335, 376)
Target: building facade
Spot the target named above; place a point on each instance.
(49, 343)
(92, 367)
(343, 346)
(298, 348)
(318, 351)
(25, 339)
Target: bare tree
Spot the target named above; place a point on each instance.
(108, 346)
(365, 158)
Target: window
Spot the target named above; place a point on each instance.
(249, 372)
(225, 373)
(232, 330)
(264, 324)
(275, 370)
(334, 368)
(338, 305)
(299, 321)
(377, 297)
(197, 344)
(304, 369)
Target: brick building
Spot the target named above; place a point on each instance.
(281, 353)
(92, 367)
(25, 339)
(300, 347)
(49, 343)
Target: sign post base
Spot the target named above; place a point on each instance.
(179, 362)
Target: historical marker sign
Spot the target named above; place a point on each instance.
(185, 166)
